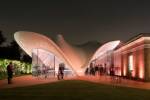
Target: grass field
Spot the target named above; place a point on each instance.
(74, 90)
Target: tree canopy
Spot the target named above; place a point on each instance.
(2, 38)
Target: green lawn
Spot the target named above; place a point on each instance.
(74, 90)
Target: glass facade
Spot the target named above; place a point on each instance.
(45, 62)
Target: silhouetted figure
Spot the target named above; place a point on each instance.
(92, 70)
(44, 70)
(10, 72)
(87, 71)
(61, 71)
(101, 70)
(112, 71)
(105, 69)
(96, 69)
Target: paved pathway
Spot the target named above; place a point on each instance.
(26, 80)
(29, 80)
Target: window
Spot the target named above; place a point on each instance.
(130, 62)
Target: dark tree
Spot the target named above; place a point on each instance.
(11, 51)
(2, 38)
(4, 53)
(26, 58)
(14, 50)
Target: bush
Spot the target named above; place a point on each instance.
(19, 67)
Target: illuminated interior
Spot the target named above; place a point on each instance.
(43, 58)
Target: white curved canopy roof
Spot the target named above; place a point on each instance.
(105, 48)
(31, 40)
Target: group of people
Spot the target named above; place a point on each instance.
(91, 70)
(95, 70)
(99, 70)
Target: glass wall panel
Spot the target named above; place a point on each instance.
(46, 63)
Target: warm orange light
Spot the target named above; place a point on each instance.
(134, 64)
(141, 69)
(133, 73)
(131, 61)
(141, 73)
(124, 65)
(124, 70)
(141, 64)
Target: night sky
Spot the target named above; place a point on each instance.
(78, 20)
